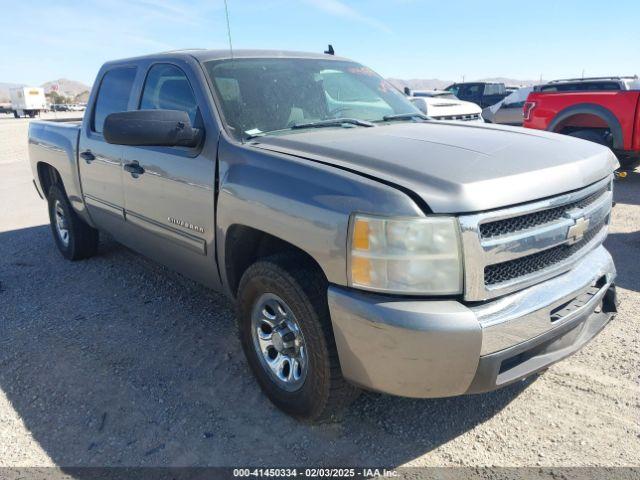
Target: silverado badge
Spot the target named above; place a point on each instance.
(184, 224)
(577, 230)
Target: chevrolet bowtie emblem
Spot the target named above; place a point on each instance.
(577, 230)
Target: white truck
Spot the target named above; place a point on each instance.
(443, 105)
(27, 101)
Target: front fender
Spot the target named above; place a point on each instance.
(303, 202)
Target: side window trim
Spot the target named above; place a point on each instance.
(146, 78)
(187, 151)
(94, 104)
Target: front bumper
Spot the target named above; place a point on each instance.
(437, 348)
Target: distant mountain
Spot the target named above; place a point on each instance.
(68, 88)
(80, 91)
(437, 84)
(513, 81)
(420, 83)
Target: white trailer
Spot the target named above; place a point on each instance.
(27, 101)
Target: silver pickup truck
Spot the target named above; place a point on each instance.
(364, 245)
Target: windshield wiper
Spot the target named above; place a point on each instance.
(404, 116)
(333, 122)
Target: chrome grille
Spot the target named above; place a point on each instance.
(505, 271)
(513, 248)
(464, 118)
(523, 222)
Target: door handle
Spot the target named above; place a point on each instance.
(134, 168)
(87, 156)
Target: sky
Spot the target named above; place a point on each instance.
(42, 40)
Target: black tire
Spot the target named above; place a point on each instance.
(15, 114)
(628, 163)
(325, 392)
(81, 240)
(592, 136)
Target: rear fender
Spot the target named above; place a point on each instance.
(591, 109)
(55, 144)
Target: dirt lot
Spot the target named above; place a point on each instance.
(116, 361)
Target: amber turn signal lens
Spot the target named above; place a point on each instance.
(361, 270)
(361, 234)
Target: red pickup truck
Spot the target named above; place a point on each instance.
(602, 110)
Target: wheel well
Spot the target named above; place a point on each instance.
(582, 121)
(246, 245)
(48, 176)
(589, 116)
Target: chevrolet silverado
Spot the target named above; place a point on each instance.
(364, 245)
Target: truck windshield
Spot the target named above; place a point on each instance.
(258, 96)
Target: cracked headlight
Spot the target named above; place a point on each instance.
(405, 255)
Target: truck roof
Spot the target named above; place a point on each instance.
(479, 82)
(205, 55)
(591, 84)
(588, 79)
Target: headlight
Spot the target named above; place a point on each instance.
(410, 256)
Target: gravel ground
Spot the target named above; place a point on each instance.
(117, 361)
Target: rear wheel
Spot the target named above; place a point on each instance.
(285, 331)
(603, 137)
(74, 238)
(595, 136)
(629, 162)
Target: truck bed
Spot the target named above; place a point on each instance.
(55, 142)
(75, 121)
(621, 105)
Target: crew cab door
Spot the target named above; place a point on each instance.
(169, 191)
(100, 163)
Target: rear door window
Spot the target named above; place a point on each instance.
(495, 89)
(113, 96)
(470, 91)
(167, 88)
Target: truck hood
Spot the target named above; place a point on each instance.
(442, 107)
(456, 167)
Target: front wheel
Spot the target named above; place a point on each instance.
(285, 331)
(74, 238)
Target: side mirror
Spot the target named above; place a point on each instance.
(158, 128)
